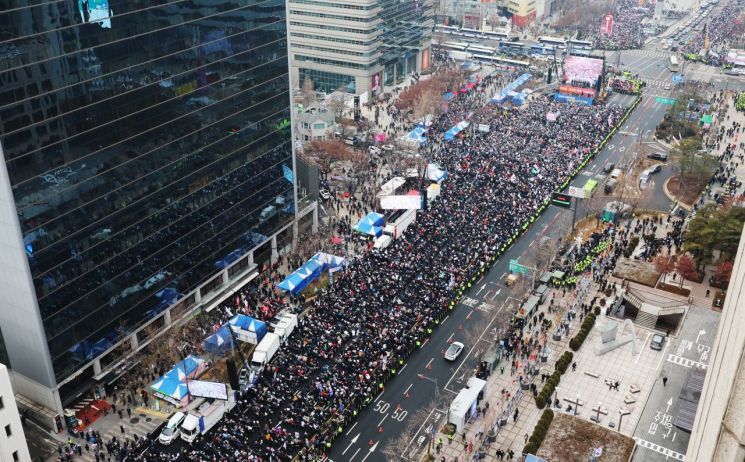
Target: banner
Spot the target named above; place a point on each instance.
(571, 90)
(607, 24)
(408, 202)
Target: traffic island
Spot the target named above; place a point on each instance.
(573, 438)
(684, 190)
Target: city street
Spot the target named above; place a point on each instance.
(658, 439)
(426, 370)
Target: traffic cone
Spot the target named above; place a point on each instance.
(407, 395)
(380, 429)
(370, 443)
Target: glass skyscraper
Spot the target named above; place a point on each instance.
(147, 147)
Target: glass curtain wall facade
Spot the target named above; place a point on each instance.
(145, 142)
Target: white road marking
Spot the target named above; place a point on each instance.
(446, 318)
(352, 428)
(382, 420)
(657, 448)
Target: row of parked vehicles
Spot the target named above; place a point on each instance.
(207, 413)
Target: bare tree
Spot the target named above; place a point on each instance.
(308, 93)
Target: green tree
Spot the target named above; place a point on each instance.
(714, 229)
(685, 154)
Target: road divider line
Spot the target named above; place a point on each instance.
(429, 364)
(382, 420)
(352, 428)
(402, 369)
(378, 397)
(409, 388)
(443, 321)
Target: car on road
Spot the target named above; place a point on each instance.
(657, 341)
(655, 168)
(667, 86)
(172, 429)
(453, 351)
(607, 168)
(325, 195)
(658, 156)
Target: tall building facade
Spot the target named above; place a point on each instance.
(13, 447)
(358, 46)
(147, 167)
(719, 427)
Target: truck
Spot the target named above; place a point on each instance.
(205, 416)
(264, 352)
(286, 326)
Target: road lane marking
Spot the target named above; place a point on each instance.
(402, 369)
(451, 337)
(430, 362)
(378, 397)
(382, 420)
(667, 452)
(409, 388)
(443, 321)
(353, 455)
(352, 428)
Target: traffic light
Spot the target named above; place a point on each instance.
(561, 200)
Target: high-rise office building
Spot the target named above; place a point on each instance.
(13, 445)
(147, 167)
(358, 46)
(719, 426)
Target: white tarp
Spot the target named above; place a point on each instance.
(400, 202)
(464, 405)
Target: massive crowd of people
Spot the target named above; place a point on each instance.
(382, 305)
(719, 31)
(628, 29)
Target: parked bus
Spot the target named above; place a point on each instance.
(481, 50)
(513, 47)
(555, 41)
(454, 50)
(581, 44)
(470, 32)
(498, 60)
(579, 52)
(673, 66)
(452, 30)
(494, 35)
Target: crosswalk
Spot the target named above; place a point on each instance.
(657, 448)
(685, 362)
(649, 53)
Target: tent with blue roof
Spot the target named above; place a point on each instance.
(321, 262)
(170, 388)
(219, 342)
(247, 329)
(371, 224)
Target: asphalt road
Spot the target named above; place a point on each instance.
(658, 438)
(427, 373)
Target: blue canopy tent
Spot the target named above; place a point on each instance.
(219, 342)
(321, 262)
(371, 224)
(171, 388)
(247, 329)
(417, 135)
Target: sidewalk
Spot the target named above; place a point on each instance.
(512, 435)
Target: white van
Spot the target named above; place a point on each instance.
(172, 429)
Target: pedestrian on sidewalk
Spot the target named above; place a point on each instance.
(574, 366)
(664, 381)
(129, 412)
(510, 454)
(121, 427)
(525, 438)
(514, 416)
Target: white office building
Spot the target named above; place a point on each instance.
(358, 46)
(13, 446)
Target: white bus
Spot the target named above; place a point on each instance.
(556, 41)
(673, 66)
(452, 30)
(581, 44)
(470, 32)
(498, 60)
(494, 35)
(481, 50)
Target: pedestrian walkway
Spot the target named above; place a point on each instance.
(518, 408)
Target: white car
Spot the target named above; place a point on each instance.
(667, 86)
(325, 195)
(453, 351)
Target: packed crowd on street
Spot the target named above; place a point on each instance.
(380, 307)
(627, 27)
(719, 31)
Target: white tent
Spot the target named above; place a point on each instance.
(464, 405)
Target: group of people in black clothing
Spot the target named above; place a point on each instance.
(383, 305)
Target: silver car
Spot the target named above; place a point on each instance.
(453, 351)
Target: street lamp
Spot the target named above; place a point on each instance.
(576, 405)
(598, 415)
